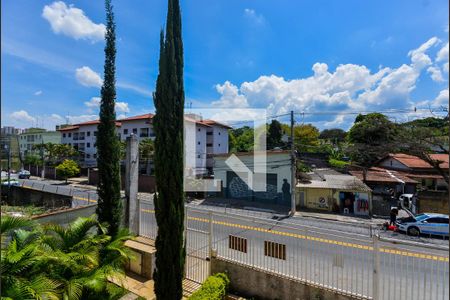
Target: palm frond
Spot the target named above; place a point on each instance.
(10, 223)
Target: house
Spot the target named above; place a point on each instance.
(202, 137)
(35, 136)
(276, 175)
(418, 169)
(334, 193)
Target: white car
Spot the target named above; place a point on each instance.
(427, 223)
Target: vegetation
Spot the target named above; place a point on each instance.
(274, 135)
(53, 262)
(215, 287)
(146, 153)
(32, 159)
(28, 210)
(168, 126)
(241, 139)
(338, 164)
(109, 207)
(334, 135)
(53, 154)
(68, 168)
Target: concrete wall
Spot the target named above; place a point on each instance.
(64, 217)
(146, 183)
(257, 284)
(24, 196)
(433, 202)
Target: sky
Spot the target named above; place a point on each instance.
(325, 60)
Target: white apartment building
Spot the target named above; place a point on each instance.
(203, 138)
(36, 136)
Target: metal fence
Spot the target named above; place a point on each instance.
(362, 266)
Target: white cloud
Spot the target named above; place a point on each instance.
(94, 104)
(443, 53)
(445, 67)
(257, 19)
(436, 73)
(441, 99)
(230, 96)
(418, 57)
(22, 116)
(87, 77)
(349, 87)
(122, 107)
(72, 21)
(37, 93)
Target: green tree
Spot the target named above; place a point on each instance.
(168, 126)
(306, 137)
(241, 139)
(373, 136)
(68, 168)
(32, 159)
(146, 153)
(109, 208)
(274, 135)
(334, 135)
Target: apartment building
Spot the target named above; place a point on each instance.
(202, 139)
(36, 136)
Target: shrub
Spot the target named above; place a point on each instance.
(337, 163)
(68, 168)
(214, 288)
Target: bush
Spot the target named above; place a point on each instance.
(340, 164)
(214, 288)
(68, 168)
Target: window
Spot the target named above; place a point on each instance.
(209, 145)
(144, 132)
(219, 145)
(88, 145)
(199, 130)
(64, 135)
(198, 143)
(125, 131)
(219, 133)
(209, 133)
(88, 156)
(275, 250)
(237, 243)
(134, 130)
(70, 134)
(95, 133)
(88, 133)
(198, 156)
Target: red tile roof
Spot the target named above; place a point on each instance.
(68, 128)
(140, 117)
(416, 163)
(212, 122)
(195, 121)
(382, 175)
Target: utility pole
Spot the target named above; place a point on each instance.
(8, 147)
(293, 167)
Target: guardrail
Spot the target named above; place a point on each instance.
(363, 266)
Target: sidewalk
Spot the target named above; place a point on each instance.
(340, 218)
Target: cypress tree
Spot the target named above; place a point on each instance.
(168, 126)
(109, 208)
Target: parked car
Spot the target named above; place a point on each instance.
(24, 174)
(426, 223)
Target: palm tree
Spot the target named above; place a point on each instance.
(56, 262)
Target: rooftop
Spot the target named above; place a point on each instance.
(339, 182)
(383, 175)
(415, 162)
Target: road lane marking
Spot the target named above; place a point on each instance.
(85, 199)
(316, 239)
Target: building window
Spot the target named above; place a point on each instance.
(70, 134)
(88, 145)
(219, 145)
(95, 133)
(198, 143)
(209, 145)
(64, 135)
(198, 156)
(88, 156)
(125, 131)
(199, 130)
(88, 133)
(144, 132)
(209, 133)
(219, 133)
(135, 131)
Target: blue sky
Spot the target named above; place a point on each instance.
(306, 56)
